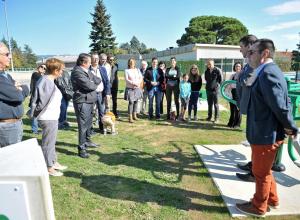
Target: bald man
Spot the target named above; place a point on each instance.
(12, 95)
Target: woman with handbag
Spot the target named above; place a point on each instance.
(46, 108)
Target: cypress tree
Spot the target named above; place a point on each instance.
(101, 35)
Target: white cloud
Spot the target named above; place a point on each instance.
(291, 36)
(283, 25)
(289, 7)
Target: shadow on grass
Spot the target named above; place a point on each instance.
(124, 188)
(169, 167)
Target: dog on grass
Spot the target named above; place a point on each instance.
(109, 121)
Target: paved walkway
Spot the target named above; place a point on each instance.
(221, 160)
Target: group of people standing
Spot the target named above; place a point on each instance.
(157, 82)
(261, 94)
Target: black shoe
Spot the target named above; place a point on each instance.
(208, 119)
(91, 144)
(247, 177)
(246, 167)
(278, 167)
(83, 154)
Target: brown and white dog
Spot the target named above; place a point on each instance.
(109, 121)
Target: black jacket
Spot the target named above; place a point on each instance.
(174, 78)
(213, 79)
(114, 77)
(148, 78)
(84, 85)
(64, 84)
(196, 85)
(11, 98)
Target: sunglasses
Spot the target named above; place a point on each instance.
(5, 54)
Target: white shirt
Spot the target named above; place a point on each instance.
(96, 72)
(52, 111)
(133, 77)
(107, 66)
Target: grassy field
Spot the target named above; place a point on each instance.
(150, 170)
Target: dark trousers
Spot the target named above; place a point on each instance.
(84, 116)
(114, 97)
(193, 103)
(63, 111)
(169, 91)
(100, 103)
(157, 94)
(235, 116)
(212, 100)
(162, 102)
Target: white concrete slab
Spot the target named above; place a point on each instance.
(221, 160)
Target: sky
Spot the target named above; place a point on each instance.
(61, 27)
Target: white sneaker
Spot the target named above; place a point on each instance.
(58, 166)
(55, 173)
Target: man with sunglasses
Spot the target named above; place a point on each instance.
(12, 95)
(269, 118)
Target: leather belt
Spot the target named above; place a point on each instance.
(10, 120)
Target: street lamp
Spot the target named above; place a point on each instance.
(8, 39)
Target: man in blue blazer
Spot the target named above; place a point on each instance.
(269, 118)
(103, 89)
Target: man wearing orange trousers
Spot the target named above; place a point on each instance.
(269, 119)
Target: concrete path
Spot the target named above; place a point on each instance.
(221, 160)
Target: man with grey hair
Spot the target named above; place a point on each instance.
(12, 95)
(84, 86)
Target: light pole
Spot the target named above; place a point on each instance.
(8, 39)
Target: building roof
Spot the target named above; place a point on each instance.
(186, 49)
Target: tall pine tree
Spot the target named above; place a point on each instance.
(101, 35)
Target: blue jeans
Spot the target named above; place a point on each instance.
(157, 94)
(34, 125)
(10, 133)
(63, 111)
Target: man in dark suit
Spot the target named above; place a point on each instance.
(269, 118)
(84, 86)
(12, 95)
(114, 83)
(154, 78)
(213, 78)
(243, 87)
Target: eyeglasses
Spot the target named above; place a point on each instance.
(5, 54)
(251, 52)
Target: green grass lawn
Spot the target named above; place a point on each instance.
(150, 170)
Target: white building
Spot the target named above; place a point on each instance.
(224, 55)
